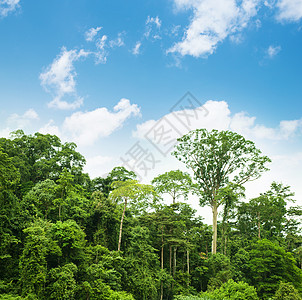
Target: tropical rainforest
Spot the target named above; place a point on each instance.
(64, 235)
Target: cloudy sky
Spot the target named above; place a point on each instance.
(114, 77)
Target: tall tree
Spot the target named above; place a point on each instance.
(175, 183)
(104, 185)
(131, 190)
(218, 158)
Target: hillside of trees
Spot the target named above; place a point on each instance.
(64, 235)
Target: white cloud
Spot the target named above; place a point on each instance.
(86, 127)
(270, 3)
(236, 38)
(21, 121)
(153, 24)
(272, 51)
(91, 33)
(118, 42)
(212, 22)
(16, 121)
(152, 33)
(51, 128)
(101, 53)
(8, 6)
(175, 30)
(136, 49)
(5, 133)
(98, 165)
(59, 79)
(219, 117)
(289, 10)
(152, 20)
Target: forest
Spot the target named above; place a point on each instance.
(64, 235)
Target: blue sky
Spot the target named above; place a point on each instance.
(100, 73)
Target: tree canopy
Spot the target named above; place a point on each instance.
(64, 235)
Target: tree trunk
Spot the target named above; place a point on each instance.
(259, 233)
(121, 227)
(214, 241)
(170, 258)
(188, 266)
(60, 212)
(162, 262)
(162, 248)
(161, 290)
(174, 261)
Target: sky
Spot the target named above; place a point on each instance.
(125, 79)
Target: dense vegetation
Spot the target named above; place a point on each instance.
(64, 235)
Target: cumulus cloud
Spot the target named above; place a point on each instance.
(51, 128)
(272, 51)
(5, 133)
(86, 127)
(98, 165)
(8, 6)
(218, 117)
(59, 79)
(289, 10)
(212, 22)
(91, 33)
(21, 121)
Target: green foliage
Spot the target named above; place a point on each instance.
(104, 185)
(38, 157)
(269, 264)
(10, 297)
(217, 159)
(138, 196)
(59, 228)
(286, 291)
(234, 291)
(240, 263)
(39, 201)
(33, 261)
(176, 183)
(266, 216)
(142, 265)
(71, 240)
(194, 297)
(9, 174)
(219, 270)
(62, 283)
